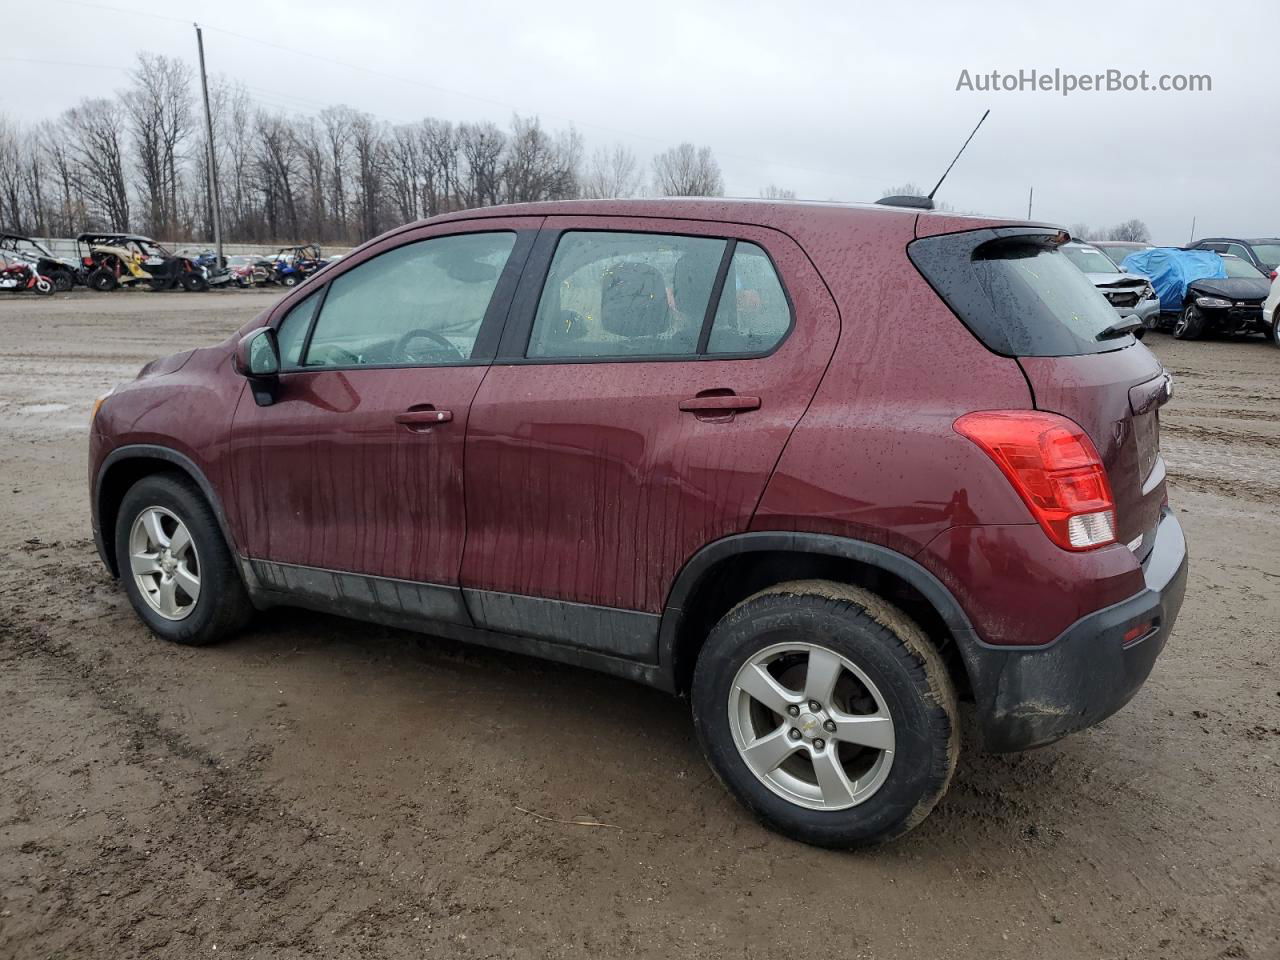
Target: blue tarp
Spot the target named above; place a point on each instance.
(1171, 270)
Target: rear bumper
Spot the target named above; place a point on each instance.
(1031, 696)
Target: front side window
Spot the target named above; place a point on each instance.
(292, 332)
(420, 304)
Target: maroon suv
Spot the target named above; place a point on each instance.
(827, 470)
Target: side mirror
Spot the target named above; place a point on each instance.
(257, 359)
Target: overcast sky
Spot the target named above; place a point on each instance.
(832, 100)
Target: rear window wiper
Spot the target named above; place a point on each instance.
(1119, 328)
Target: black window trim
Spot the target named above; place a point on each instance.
(524, 305)
(492, 325)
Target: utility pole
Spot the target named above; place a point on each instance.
(1192, 238)
(1030, 196)
(215, 205)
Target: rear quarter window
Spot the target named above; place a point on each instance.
(1017, 292)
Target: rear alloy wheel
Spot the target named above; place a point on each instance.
(827, 713)
(174, 562)
(1190, 323)
(1275, 328)
(101, 280)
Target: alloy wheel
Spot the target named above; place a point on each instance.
(164, 562)
(811, 726)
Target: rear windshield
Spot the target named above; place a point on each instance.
(1089, 260)
(1017, 292)
(1267, 252)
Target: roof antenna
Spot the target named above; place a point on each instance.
(926, 202)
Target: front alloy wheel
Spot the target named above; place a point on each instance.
(164, 563)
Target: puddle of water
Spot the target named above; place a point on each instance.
(44, 407)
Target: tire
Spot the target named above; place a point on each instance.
(62, 281)
(1275, 328)
(101, 280)
(1190, 324)
(194, 283)
(43, 287)
(901, 677)
(289, 280)
(221, 606)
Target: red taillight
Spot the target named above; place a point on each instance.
(1273, 274)
(1056, 470)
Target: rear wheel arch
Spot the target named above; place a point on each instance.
(728, 571)
(125, 466)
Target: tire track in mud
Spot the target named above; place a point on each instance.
(289, 886)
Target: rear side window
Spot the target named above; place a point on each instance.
(1017, 292)
(753, 315)
(635, 295)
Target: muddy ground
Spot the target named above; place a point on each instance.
(320, 788)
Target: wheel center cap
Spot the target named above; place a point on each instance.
(810, 725)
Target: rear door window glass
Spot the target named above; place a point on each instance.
(753, 314)
(625, 295)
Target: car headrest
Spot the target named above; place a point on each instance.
(633, 301)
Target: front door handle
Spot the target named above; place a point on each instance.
(720, 403)
(424, 417)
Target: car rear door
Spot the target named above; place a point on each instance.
(647, 381)
(358, 465)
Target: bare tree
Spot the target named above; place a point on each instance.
(94, 129)
(276, 163)
(439, 142)
(339, 124)
(687, 171)
(11, 174)
(772, 192)
(369, 154)
(482, 146)
(1135, 231)
(160, 123)
(539, 166)
(611, 172)
(1080, 231)
(907, 189)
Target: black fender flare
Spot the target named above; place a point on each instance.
(149, 451)
(693, 573)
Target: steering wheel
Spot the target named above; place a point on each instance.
(402, 345)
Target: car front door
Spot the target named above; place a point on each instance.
(357, 465)
(647, 381)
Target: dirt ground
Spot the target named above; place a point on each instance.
(324, 788)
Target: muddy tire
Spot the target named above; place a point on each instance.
(194, 283)
(827, 713)
(1190, 323)
(290, 280)
(62, 281)
(175, 565)
(101, 280)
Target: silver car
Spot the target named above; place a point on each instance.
(1130, 294)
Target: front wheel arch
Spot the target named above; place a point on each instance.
(124, 467)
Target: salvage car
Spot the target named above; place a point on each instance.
(1271, 311)
(111, 260)
(60, 271)
(1230, 305)
(644, 437)
(1262, 253)
(1128, 293)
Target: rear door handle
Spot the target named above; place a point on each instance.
(423, 418)
(721, 403)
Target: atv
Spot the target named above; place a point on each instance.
(60, 271)
(295, 264)
(120, 259)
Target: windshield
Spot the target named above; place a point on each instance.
(1238, 268)
(1267, 252)
(1089, 259)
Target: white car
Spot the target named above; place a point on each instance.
(1271, 311)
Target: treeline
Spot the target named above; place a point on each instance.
(137, 161)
